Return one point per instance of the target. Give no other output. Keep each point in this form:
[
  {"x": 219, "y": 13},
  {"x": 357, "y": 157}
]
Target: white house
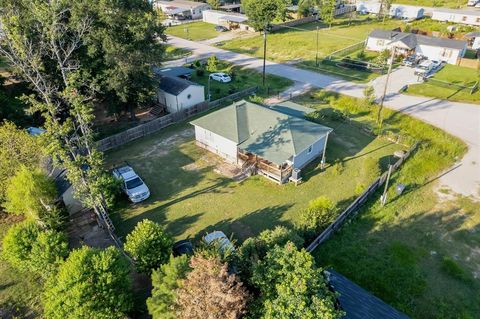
[
  {"x": 182, "y": 9},
  {"x": 470, "y": 17},
  {"x": 474, "y": 39},
  {"x": 177, "y": 94},
  {"x": 406, "y": 12},
  {"x": 441, "y": 49},
  {"x": 272, "y": 141},
  {"x": 365, "y": 7},
  {"x": 230, "y": 20}
]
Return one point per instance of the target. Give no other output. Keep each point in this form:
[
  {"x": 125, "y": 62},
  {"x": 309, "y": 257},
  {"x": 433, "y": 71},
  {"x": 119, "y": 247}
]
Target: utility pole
[
  {"x": 383, "y": 199},
  {"x": 264, "y": 52},
  {"x": 316, "y": 55},
  {"x": 382, "y": 100}
]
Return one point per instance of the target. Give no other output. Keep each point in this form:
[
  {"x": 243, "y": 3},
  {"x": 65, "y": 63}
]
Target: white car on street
[
  {"x": 221, "y": 239},
  {"x": 221, "y": 77},
  {"x": 132, "y": 184}
]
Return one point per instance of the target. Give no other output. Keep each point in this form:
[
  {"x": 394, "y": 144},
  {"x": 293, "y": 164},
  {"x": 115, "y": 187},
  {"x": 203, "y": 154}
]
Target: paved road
[{"x": 459, "y": 119}]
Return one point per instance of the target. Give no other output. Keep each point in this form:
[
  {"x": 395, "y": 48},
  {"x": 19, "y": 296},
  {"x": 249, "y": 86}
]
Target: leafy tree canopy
[
  {"x": 91, "y": 283},
  {"x": 209, "y": 291},
  {"x": 28, "y": 248},
  {"x": 165, "y": 281},
  {"x": 319, "y": 213},
  {"x": 17, "y": 148},
  {"x": 30, "y": 192},
  {"x": 292, "y": 287},
  {"x": 148, "y": 245},
  {"x": 261, "y": 13}
]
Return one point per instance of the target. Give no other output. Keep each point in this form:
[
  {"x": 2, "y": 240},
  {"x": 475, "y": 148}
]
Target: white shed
[
  {"x": 470, "y": 17},
  {"x": 177, "y": 94},
  {"x": 406, "y": 12},
  {"x": 365, "y": 7}
]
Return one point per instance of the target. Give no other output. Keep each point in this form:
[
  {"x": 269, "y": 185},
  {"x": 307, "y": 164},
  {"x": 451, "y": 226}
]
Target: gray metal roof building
[{"x": 174, "y": 85}]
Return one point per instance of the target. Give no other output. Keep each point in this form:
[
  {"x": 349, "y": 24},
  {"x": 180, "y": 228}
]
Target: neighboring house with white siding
[
  {"x": 470, "y": 17},
  {"x": 474, "y": 40},
  {"x": 176, "y": 94},
  {"x": 182, "y": 9},
  {"x": 441, "y": 49},
  {"x": 405, "y": 12},
  {"x": 230, "y": 20},
  {"x": 268, "y": 139}
]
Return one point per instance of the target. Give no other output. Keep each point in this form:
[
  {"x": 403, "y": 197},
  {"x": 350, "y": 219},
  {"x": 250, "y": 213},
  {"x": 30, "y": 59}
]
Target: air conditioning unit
[{"x": 296, "y": 174}]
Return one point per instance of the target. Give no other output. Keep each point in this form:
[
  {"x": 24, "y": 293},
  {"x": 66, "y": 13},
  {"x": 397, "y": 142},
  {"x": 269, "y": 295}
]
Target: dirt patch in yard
[{"x": 164, "y": 145}]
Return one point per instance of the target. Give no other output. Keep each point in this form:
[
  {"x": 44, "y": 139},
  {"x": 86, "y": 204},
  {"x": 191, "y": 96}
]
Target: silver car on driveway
[{"x": 136, "y": 190}]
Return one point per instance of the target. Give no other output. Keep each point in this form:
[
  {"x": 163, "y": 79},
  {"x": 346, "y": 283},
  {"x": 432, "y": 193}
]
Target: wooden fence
[
  {"x": 353, "y": 208},
  {"x": 293, "y": 23},
  {"x": 469, "y": 63},
  {"x": 156, "y": 125}
]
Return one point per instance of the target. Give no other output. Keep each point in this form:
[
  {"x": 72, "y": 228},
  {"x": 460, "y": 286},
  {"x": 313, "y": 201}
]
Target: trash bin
[{"x": 400, "y": 188}]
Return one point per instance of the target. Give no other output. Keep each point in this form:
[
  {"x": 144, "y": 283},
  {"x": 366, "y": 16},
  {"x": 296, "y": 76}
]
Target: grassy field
[
  {"x": 189, "y": 196},
  {"x": 299, "y": 44},
  {"x": 451, "y": 74},
  {"x": 242, "y": 79},
  {"x": 419, "y": 252},
  {"x": 195, "y": 31},
  {"x": 428, "y": 24},
  {"x": 173, "y": 53},
  {"x": 19, "y": 292}
]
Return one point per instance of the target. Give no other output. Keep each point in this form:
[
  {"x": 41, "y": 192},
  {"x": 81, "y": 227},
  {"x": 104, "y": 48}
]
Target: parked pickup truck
[
  {"x": 424, "y": 68},
  {"x": 132, "y": 184}
]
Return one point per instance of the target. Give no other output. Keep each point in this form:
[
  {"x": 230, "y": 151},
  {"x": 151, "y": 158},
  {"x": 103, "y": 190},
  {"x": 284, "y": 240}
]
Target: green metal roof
[
  {"x": 270, "y": 134},
  {"x": 293, "y": 109}
]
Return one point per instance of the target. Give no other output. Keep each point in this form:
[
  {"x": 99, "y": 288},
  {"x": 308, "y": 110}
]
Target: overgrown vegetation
[{"x": 397, "y": 252}]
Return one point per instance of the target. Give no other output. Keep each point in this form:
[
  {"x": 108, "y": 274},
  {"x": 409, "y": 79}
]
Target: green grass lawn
[
  {"x": 452, "y": 74},
  {"x": 195, "y": 31},
  {"x": 420, "y": 252},
  {"x": 190, "y": 198},
  {"x": 300, "y": 44},
  {"x": 173, "y": 53},
  {"x": 242, "y": 79},
  {"x": 428, "y": 24},
  {"x": 19, "y": 292}
]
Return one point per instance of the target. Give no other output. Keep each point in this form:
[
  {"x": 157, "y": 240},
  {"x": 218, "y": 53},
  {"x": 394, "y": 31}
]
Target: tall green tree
[
  {"x": 91, "y": 283},
  {"x": 291, "y": 286},
  {"x": 215, "y": 4},
  {"x": 17, "y": 148},
  {"x": 166, "y": 280},
  {"x": 30, "y": 192},
  {"x": 45, "y": 43},
  {"x": 327, "y": 11},
  {"x": 148, "y": 245},
  {"x": 29, "y": 248},
  {"x": 261, "y": 13}
]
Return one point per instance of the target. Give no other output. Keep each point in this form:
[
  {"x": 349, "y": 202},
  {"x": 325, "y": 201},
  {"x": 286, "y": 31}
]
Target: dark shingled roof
[
  {"x": 358, "y": 303},
  {"x": 173, "y": 71},
  {"x": 411, "y": 40},
  {"x": 174, "y": 85}
]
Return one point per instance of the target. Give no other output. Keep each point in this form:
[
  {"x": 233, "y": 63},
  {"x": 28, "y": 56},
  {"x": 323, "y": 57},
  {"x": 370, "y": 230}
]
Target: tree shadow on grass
[{"x": 250, "y": 224}]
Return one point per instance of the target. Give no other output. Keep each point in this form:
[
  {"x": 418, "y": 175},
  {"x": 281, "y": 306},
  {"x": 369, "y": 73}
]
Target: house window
[
  {"x": 464, "y": 18},
  {"x": 380, "y": 43},
  {"x": 189, "y": 96},
  {"x": 478, "y": 20},
  {"x": 309, "y": 149}
]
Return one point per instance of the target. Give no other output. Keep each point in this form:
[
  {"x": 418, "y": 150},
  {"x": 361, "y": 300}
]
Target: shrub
[
  {"x": 212, "y": 63},
  {"x": 91, "y": 283},
  {"x": 18, "y": 243},
  {"x": 28, "y": 248},
  {"x": 319, "y": 212},
  {"x": 148, "y": 245},
  {"x": 200, "y": 71},
  {"x": 30, "y": 192},
  {"x": 453, "y": 269}
]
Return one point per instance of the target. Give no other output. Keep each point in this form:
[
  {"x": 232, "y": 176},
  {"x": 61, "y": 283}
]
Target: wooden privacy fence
[
  {"x": 353, "y": 208},
  {"x": 156, "y": 125}
]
